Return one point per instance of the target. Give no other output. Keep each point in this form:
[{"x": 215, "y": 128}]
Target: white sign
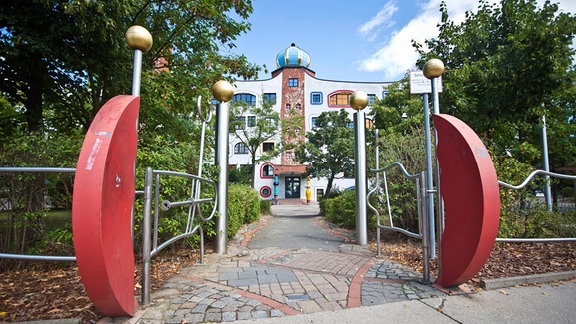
[{"x": 419, "y": 84}]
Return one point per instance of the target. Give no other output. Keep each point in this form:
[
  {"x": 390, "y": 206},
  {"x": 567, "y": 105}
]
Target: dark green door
[{"x": 292, "y": 187}]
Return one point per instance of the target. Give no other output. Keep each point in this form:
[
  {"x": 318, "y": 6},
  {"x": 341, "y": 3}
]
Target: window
[
  {"x": 293, "y": 82},
  {"x": 288, "y": 106},
  {"x": 270, "y": 98},
  {"x": 267, "y": 146},
  {"x": 251, "y": 121},
  {"x": 339, "y": 99},
  {"x": 271, "y": 121},
  {"x": 314, "y": 119},
  {"x": 246, "y": 98},
  {"x": 298, "y": 106},
  {"x": 384, "y": 94},
  {"x": 319, "y": 193},
  {"x": 371, "y": 98},
  {"x": 240, "y": 122},
  {"x": 265, "y": 192},
  {"x": 316, "y": 98},
  {"x": 267, "y": 171},
  {"x": 240, "y": 148}
]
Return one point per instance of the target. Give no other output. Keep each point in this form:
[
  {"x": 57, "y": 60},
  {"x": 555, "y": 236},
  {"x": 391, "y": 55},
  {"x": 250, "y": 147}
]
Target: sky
[{"x": 361, "y": 40}]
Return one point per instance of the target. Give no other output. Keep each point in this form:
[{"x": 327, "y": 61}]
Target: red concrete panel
[
  {"x": 471, "y": 195},
  {"x": 102, "y": 207}
]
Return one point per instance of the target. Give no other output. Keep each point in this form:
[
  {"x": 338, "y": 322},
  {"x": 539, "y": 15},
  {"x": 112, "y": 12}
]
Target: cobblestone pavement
[{"x": 273, "y": 282}]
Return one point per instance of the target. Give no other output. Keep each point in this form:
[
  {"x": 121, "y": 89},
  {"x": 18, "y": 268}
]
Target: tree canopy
[
  {"x": 330, "y": 147},
  {"x": 62, "y": 60},
  {"x": 252, "y": 126},
  {"x": 509, "y": 64}
]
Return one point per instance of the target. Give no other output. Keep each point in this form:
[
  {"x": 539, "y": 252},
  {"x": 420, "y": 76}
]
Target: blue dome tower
[{"x": 293, "y": 56}]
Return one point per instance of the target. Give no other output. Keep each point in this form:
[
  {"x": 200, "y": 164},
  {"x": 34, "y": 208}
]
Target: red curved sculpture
[
  {"x": 102, "y": 207},
  {"x": 471, "y": 195}
]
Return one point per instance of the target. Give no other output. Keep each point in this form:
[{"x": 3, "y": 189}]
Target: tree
[
  {"x": 254, "y": 125},
  {"x": 508, "y": 65},
  {"x": 62, "y": 60},
  {"x": 330, "y": 147}
]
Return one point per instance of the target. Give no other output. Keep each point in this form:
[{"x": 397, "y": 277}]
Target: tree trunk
[
  {"x": 329, "y": 185},
  {"x": 34, "y": 108}
]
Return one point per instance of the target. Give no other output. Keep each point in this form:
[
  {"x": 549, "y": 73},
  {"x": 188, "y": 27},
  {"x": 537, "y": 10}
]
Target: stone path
[{"x": 276, "y": 281}]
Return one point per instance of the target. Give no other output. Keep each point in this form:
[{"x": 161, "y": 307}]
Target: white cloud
[
  {"x": 397, "y": 55},
  {"x": 383, "y": 16}
]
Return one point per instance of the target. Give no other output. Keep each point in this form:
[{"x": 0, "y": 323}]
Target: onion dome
[{"x": 293, "y": 56}]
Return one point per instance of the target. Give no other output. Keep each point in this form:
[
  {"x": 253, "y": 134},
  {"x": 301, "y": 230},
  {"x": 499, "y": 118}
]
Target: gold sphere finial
[
  {"x": 222, "y": 91},
  {"x": 433, "y": 68},
  {"x": 358, "y": 100},
  {"x": 139, "y": 38}
]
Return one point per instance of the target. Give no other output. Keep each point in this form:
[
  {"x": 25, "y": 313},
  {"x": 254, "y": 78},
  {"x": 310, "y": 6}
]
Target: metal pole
[
  {"x": 137, "y": 72},
  {"x": 435, "y": 98},
  {"x": 222, "y": 91},
  {"x": 546, "y": 165},
  {"x": 377, "y": 151},
  {"x": 146, "y": 232},
  {"x": 222, "y": 123},
  {"x": 360, "y": 158},
  {"x": 433, "y": 69},
  {"x": 429, "y": 196},
  {"x": 426, "y": 249}
]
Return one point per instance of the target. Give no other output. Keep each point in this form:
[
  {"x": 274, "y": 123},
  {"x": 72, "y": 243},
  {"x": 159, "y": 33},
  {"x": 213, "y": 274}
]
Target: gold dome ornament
[
  {"x": 433, "y": 68},
  {"x": 358, "y": 100},
  {"x": 222, "y": 91},
  {"x": 139, "y": 38}
]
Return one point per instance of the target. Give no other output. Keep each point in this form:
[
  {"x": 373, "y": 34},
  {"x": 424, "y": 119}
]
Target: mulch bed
[{"x": 41, "y": 291}]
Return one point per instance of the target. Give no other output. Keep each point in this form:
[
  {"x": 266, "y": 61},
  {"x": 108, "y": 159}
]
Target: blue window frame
[
  {"x": 246, "y": 98},
  {"x": 270, "y": 98},
  {"x": 384, "y": 94},
  {"x": 240, "y": 148},
  {"x": 316, "y": 98},
  {"x": 371, "y": 98},
  {"x": 251, "y": 121},
  {"x": 293, "y": 82}
]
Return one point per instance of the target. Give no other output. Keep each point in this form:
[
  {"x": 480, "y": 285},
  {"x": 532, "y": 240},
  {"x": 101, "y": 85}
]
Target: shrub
[
  {"x": 265, "y": 206},
  {"x": 243, "y": 207},
  {"x": 341, "y": 210}
]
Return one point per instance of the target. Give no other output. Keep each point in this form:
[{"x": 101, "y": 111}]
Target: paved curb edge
[{"x": 490, "y": 284}]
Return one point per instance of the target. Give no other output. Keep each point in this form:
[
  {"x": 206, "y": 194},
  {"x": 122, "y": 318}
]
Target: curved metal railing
[
  {"x": 521, "y": 186},
  {"x": 421, "y": 195},
  {"x": 35, "y": 256}
]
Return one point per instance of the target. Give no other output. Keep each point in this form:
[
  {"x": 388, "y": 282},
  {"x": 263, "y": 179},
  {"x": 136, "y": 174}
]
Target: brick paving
[{"x": 274, "y": 282}]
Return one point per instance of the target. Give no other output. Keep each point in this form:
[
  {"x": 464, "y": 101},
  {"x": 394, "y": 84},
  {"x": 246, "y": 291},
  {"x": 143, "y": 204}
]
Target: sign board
[{"x": 419, "y": 84}]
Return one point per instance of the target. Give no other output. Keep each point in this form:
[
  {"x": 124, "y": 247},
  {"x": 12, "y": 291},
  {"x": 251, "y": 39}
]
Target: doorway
[{"x": 292, "y": 187}]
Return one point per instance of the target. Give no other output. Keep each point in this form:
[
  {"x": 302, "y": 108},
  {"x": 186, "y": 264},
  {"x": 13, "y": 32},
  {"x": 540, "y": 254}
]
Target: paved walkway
[{"x": 278, "y": 274}]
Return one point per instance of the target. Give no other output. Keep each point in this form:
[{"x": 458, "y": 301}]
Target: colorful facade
[{"x": 294, "y": 85}]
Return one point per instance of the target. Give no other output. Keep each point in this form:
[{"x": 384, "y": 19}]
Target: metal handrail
[
  {"x": 421, "y": 194},
  {"x": 37, "y": 257},
  {"x": 522, "y": 185}
]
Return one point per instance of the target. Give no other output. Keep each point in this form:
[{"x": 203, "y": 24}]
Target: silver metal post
[
  {"x": 360, "y": 158},
  {"x": 222, "y": 124},
  {"x": 435, "y": 97},
  {"x": 137, "y": 72},
  {"x": 377, "y": 151},
  {"x": 146, "y": 232},
  {"x": 429, "y": 195},
  {"x": 546, "y": 165},
  {"x": 426, "y": 250}
]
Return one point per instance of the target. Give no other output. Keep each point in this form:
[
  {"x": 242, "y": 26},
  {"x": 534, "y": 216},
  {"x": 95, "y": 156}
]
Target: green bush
[
  {"x": 265, "y": 207},
  {"x": 243, "y": 207},
  {"x": 341, "y": 210}
]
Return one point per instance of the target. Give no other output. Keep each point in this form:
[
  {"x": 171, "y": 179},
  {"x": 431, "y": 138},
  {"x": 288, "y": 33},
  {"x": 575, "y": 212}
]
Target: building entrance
[{"x": 292, "y": 187}]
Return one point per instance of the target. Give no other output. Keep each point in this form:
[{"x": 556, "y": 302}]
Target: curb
[{"x": 489, "y": 284}]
